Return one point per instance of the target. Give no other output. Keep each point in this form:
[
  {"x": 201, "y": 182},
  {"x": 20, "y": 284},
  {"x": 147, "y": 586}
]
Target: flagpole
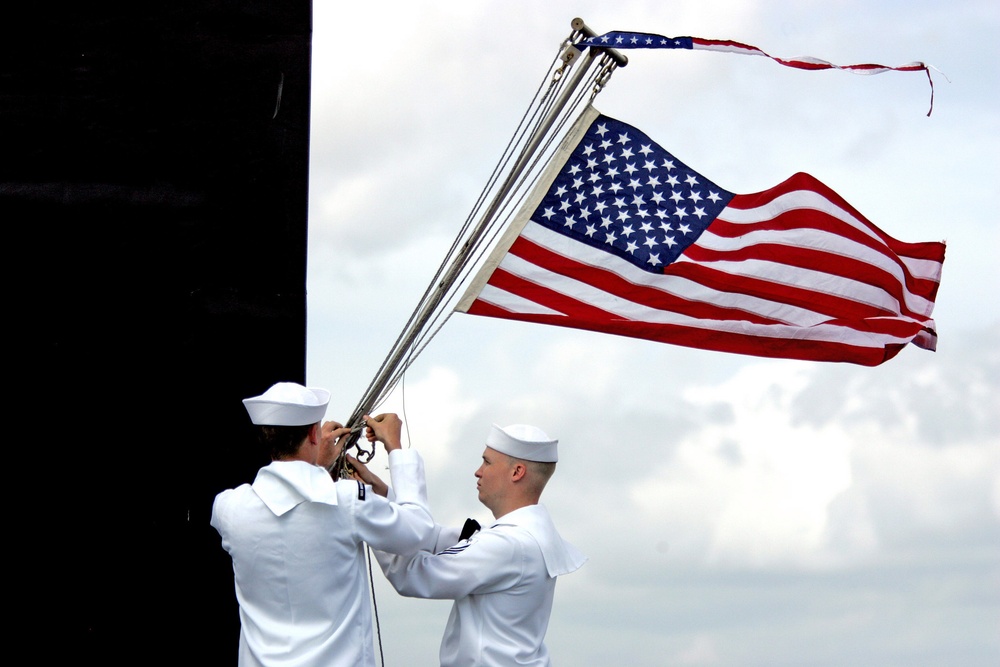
[
  {"x": 571, "y": 54},
  {"x": 580, "y": 61}
]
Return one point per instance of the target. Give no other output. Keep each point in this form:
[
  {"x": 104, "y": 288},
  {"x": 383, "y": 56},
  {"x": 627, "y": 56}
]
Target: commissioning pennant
[
  {"x": 619, "y": 39},
  {"x": 621, "y": 237}
]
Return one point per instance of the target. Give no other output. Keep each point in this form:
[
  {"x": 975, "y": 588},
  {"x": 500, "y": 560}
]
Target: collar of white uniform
[
  {"x": 560, "y": 556},
  {"x": 286, "y": 484}
]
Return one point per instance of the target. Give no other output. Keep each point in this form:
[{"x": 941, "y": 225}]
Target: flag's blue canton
[
  {"x": 638, "y": 40},
  {"x": 621, "y": 192}
]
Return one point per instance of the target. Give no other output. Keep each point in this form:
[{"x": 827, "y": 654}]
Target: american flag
[{"x": 622, "y": 237}]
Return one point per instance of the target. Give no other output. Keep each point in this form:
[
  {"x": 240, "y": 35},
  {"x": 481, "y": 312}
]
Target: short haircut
[
  {"x": 541, "y": 472},
  {"x": 283, "y": 441}
]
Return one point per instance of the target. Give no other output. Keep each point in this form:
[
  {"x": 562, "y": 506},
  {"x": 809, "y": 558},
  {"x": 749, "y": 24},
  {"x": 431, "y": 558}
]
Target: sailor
[
  {"x": 297, "y": 537},
  {"x": 502, "y": 578}
]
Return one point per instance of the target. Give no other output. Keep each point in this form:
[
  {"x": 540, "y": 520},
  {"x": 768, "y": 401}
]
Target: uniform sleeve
[
  {"x": 444, "y": 537},
  {"x": 219, "y": 519},
  {"x": 399, "y": 526},
  {"x": 490, "y": 561}
]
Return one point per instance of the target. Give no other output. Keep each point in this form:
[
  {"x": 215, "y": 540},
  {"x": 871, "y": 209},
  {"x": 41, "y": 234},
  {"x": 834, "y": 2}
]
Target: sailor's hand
[
  {"x": 361, "y": 473},
  {"x": 332, "y": 431},
  {"x": 386, "y": 428}
]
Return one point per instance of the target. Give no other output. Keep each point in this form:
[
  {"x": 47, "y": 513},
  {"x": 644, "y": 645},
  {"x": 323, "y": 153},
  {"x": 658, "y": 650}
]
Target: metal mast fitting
[{"x": 580, "y": 26}]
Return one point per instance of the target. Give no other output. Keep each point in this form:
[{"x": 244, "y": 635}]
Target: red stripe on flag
[
  {"x": 830, "y": 305},
  {"x": 708, "y": 339},
  {"x": 814, "y": 260},
  {"x": 611, "y": 282}
]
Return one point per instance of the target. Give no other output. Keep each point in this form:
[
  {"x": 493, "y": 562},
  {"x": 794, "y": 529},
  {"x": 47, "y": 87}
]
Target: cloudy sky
[{"x": 736, "y": 511}]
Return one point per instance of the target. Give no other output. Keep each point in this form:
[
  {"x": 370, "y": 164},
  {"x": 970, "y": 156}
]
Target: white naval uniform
[
  {"x": 297, "y": 543},
  {"x": 502, "y": 580}
]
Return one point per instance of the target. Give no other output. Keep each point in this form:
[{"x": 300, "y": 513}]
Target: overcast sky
[{"x": 736, "y": 511}]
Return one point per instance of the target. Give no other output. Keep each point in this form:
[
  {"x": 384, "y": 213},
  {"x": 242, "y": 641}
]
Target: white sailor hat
[
  {"x": 288, "y": 404},
  {"x": 523, "y": 442}
]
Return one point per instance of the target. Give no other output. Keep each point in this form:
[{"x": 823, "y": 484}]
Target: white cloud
[
  {"x": 434, "y": 408},
  {"x": 760, "y": 485},
  {"x": 701, "y": 651}
]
